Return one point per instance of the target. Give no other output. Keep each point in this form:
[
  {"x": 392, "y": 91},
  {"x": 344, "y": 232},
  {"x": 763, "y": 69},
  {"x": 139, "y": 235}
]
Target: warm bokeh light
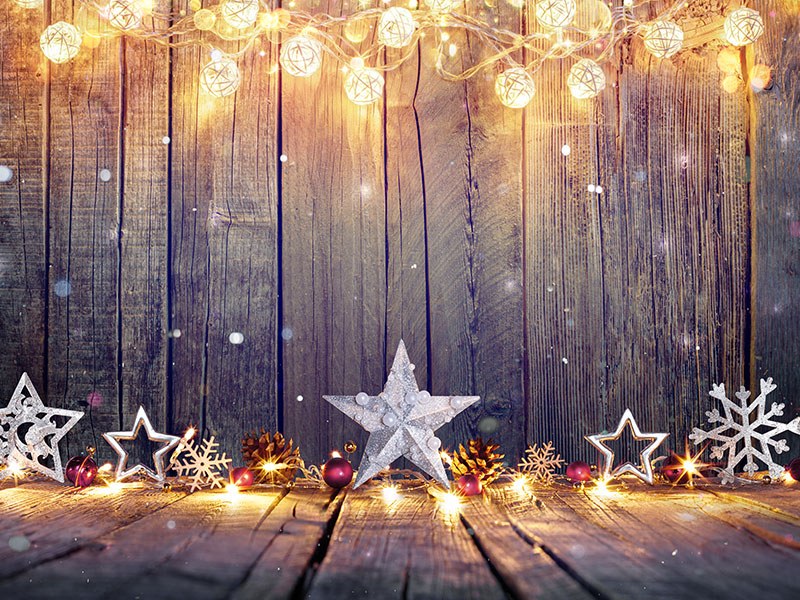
[
  {"x": 301, "y": 56},
  {"x": 743, "y": 26},
  {"x": 555, "y": 14},
  {"x": 514, "y": 87},
  {"x": 363, "y": 86},
  {"x": 220, "y": 77},
  {"x": 60, "y": 42},
  {"x": 390, "y": 494},
  {"x": 240, "y": 14},
  {"x": 663, "y": 38}
]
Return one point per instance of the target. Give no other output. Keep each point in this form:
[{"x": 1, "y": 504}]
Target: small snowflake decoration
[
  {"x": 540, "y": 463},
  {"x": 203, "y": 463},
  {"x": 746, "y": 431}
]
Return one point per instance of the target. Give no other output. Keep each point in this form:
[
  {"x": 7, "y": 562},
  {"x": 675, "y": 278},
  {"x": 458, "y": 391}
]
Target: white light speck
[
  {"x": 236, "y": 338},
  {"x": 590, "y": 187},
  {"x": 216, "y": 55},
  {"x": 565, "y": 149},
  {"x": 105, "y": 175},
  {"x": 598, "y": 189},
  {"x": 287, "y": 333},
  {"x": 5, "y": 174},
  {"x": 564, "y": 360},
  {"x": 299, "y": 398},
  {"x": 165, "y": 140},
  {"x": 284, "y": 158},
  {"x": 170, "y": 524}
]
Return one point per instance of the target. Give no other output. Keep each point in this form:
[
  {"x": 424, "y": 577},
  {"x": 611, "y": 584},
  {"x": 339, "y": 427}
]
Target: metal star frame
[
  {"x": 169, "y": 441},
  {"x": 401, "y": 421},
  {"x": 39, "y": 440},
  {"x": 645, "y": 473}
]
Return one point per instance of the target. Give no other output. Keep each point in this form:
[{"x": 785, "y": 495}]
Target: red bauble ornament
[
  {"x": 242, "y": 477},
  {"x": 579, "y": 471},
  {"x": 794, "y": 469},
  {"x": 81, "y": 471},
  {"x": 672, "y": 471},
  {"x": 337, "y": 472},
  {"x": 469, "y": 484}
]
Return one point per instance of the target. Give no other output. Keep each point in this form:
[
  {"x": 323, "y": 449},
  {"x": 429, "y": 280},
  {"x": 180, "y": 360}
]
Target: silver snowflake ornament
[
  {"x": 203, "y": 463},
  {"x": 30, "y": 432},
  {"x": 401, "y": 421},
  {"x": 746, "y": 431},
  {"x": 540, "y": 463}
]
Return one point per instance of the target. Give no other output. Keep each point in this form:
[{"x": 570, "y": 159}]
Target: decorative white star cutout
[
  {"x": 401, "y": 421},
  {"x": 29, "y": 435},
  {"x": 169, "y": 441},
  {"x": 644, "y": 470}
]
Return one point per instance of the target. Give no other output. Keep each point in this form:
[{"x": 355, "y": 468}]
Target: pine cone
[
  {"x": 479, "y": 458},
  {"x": 270, "y": 457}
]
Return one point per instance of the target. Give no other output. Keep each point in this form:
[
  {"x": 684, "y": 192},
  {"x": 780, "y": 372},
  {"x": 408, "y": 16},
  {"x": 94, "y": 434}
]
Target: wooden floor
[{"x": 58, "y": 542}]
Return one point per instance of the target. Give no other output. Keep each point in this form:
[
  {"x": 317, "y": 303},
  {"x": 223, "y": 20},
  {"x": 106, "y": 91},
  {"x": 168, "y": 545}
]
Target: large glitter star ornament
[
  {"x": 401, "y": 421},
  {"x": 169, "y": 442},
  {"x": 30, "y": 432},
  {"x": 644, "y": 470}
]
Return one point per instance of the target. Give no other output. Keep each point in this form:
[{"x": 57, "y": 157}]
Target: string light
[
  {"x": 125, "y": 14},
  {"x": 555, "y": 14},
  {"x": 396, "y": 27},
  {"x": 443, "y": 5},
  {"x": 390, "y": 494},
  {"x": 220, "y": 77},
  {"x": 301, "y": 56},
  {"x": 743, "y": 26},
  {"x": 240, "y": 14},
  {"x": 586, "y": 79},
  {"x": 28, "y": 3},
  {"x": 60, "y": 42},
  {"x": 663, "y": 39},
  {"x": 514, "y": 87},
  {"x": 204, "y": 19},
  {"x": 363, "y": 85}
]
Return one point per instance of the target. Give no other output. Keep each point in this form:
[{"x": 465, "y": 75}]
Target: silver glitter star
[
  {"x": 401, "y": 421},
  {"x": 29, "y": 435},
  {"x": 169, "y": 441}
]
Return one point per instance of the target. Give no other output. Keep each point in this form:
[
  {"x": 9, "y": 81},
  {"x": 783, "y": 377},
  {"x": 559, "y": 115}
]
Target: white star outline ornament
[
  {"x": 401, "y": 422},
  {"x": 25, "y": 449},
  {"x": 645, "y": 469},
  {"x": 169, "y": 441}
]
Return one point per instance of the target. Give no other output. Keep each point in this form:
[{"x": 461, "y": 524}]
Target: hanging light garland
[{"x": 559, "y": 32}]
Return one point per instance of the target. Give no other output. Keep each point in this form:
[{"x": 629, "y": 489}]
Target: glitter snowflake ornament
[
  {"x": 203, "y": 463},
  {"x": 746, "y": 432},
  {"x": 401, "y": 421},
  {"x": 30, "y": 432},
  {"x": 540, "y": 463}
]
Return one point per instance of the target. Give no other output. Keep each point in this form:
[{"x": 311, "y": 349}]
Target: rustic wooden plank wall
[{"x": 322, "y": 233}]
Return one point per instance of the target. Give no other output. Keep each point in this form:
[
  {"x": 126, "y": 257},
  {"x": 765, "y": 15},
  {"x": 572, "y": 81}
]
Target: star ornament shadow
[
  {"x": 644, "y": 470},
  {"x": 168, "y": 443}
]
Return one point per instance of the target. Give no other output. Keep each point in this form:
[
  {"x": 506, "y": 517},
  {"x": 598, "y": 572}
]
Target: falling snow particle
[
  {"x": 565, "y": 149},
  {"x": 590, "y": 187},
  {"x": 287, "y": 333},
  {"x": 105, "y": 175},
  {"x": 236, "y": 338},
  {"x": 564, "y": 360},
  {"x": 170, "y": 524},
  {"x": 175, "y": 333},
  {"x": 299, "y": 398},
  {"x": 284, "y": 158},
  {"x": 165, "y": 140},
  {"x": 62, "y": 288},
  {"x": 598, "y": 189},
  {"x": 5, "y": 174},
  {"x": 19, "y": 543}
]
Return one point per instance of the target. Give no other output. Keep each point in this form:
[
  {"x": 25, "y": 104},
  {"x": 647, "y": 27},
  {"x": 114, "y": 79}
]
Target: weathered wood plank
[
  {"x": 22, "y": 207},
  {"x": 225, "y": 256},
  {"x": 775, "y": 164},
  {"x": 663, "y": 541},
  {"x": 85, "y": 182},
  {"x": 57, "y": 521},
  {"x": 144, "y": 230},
  {"x": 334, "y": 253},
  {"x": 408, "y": 549},
  {"x": 471, "y": 154},
  {"x": 780, "y": 499}
]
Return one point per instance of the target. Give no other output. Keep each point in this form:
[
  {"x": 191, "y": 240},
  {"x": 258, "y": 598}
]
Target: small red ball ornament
[
  {"x": 469, "y": 484},
  {"x": 81, "y": 471},
  {"x": 242, "y": 477},
  {"x": 337, "y": 472},
  {"x": 794, "y": 469},
  {"x": 579, "y": 471},
  {"x": 673, "y": 471}
]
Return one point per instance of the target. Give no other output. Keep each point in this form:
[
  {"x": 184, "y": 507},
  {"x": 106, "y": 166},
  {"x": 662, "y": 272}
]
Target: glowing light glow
[
  {"x": 220, "y": 77},
  {"x": 390, "y": 494},
  {"x": 396, "y": 27},
  {"x": 601, "y": 489},
  {"x": 125, "y": 14},
  {"x": 301, "y": 56},
  {"x": 443, "y": 5},
  {"x": 450, "y": 503},
  {"x": 586, "y": 79},
  {"x": 240, "y": 14},
  {"x": 663, "y": 39},
  {"x": 363, "y": 86},
  {"x": 743, "y": 26},
  {"x": 60, "y": 42},
  {"x": 514, "y": 87},
  {"x": 555, "y": 14}
]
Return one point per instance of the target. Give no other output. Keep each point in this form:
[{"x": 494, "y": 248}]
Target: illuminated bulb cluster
[
  {"x": 240, "y": 14},
  {"x": 743, "y": 26},
  {"x": 28, "y": 3},
  {"x": 443, "y": 5},
  {"x": 60, "y": 42},
  {"x": 514, "y": 87},
  {"x": 363, "y": 85},
  {"x": 125, "y": 14},
  {"x": 555, "y": 14},
  {"x": 396, "y": 27},
  {"x": 220, "y": 77},
  {"x": 586, "y": 79},
  {"x": 301, "y": 56},
  {"x": 663, "y": 38}
]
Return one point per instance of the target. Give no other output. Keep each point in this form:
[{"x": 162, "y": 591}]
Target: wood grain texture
[
  {"x": 224, "y": 250},
  {"x": 775, "y": 164},
  {"x": 334, "y": 253},
  {"x": 471, "y": 154},
  {"x": 22, "y": 203},
  {"x": 83, "y": 349}
]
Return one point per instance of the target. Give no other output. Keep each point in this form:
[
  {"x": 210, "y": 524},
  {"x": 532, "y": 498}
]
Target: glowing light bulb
[
  {"x": 60, "y": 42},
  {"x": 240, "y": 14},
  {"x": 28, "y": 3},
  {"x": 363, "y": 86},
  {"x": 396, "y": 27},
  {"x": 514, "y": 87},
  {"x": 586, "y": 79},
  {"x": 204, "y": 19},
  {"x": 220, "y": 77},
  {"x": 555, "y": 14},
  {"x": 520, "y": 485},
  {"x": 390, "y": 494},
  {"x": 124, "y": 14},
  {"x": 450, "y": 503},
  {"x": 663, "y": 38},
  {"x": 743, "y": 26},
  {"x": 443, "y": 5},
  {"x": 301, "y": 56}
]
